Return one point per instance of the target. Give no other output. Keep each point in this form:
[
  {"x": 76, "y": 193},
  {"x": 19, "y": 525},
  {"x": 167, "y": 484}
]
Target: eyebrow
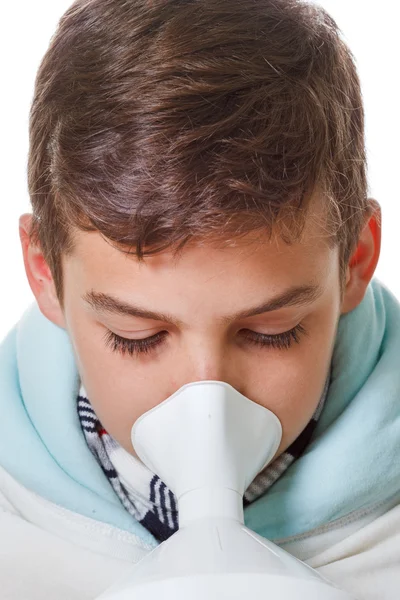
[{"x": 294, "y": 296}]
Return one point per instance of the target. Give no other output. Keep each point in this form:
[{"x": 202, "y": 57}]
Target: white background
[{"x": 372, "y": 30}]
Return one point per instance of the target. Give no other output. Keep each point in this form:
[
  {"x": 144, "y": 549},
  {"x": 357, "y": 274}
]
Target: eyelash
[{"x": 281, "y": 341}]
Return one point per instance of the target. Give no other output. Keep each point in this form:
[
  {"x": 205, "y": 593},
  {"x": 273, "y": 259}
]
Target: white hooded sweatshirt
[{"x": 64, "y": 534}]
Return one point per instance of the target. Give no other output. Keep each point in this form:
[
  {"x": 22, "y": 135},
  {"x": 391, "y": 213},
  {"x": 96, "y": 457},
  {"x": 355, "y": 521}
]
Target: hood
[{"x": 350, "y": 463}]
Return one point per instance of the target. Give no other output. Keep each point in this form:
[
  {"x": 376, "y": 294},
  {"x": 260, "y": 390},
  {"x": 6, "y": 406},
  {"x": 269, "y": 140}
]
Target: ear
[
  {"x": 39, "y": 276},
  {"x": 363, "y": 263}
]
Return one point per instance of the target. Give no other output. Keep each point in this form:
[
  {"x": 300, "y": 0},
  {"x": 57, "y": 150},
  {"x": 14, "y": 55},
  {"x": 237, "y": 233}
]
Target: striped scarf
[{"x": 142, "y": 492}]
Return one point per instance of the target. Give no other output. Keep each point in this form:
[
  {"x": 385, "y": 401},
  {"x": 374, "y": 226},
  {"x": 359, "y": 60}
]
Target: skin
[{"x": 206, "y": 283}]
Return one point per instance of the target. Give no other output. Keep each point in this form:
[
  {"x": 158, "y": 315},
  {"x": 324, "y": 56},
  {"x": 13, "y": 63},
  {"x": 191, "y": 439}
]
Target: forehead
[{"x": 96, "y": 262}]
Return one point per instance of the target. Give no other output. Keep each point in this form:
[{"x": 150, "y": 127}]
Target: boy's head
[{"x": 199, "y": 159}]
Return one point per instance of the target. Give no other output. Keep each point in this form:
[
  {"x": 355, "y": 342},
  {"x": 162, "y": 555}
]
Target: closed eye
[{"x": 280, "y": 341}]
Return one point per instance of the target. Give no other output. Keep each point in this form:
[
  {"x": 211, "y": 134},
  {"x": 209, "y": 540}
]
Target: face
[{"x": 131, "y": 360}]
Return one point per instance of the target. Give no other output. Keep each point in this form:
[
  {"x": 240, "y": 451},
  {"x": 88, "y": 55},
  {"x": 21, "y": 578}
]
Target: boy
[{"x": 198, "y": 182}]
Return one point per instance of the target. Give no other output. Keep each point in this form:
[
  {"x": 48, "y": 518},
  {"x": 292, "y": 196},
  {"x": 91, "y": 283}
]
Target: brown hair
[{"x": 157, "y": 122}]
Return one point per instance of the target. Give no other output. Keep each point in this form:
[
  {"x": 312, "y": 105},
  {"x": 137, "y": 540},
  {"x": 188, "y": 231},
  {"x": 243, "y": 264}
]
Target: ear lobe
[{"x": 364, "y": 260}]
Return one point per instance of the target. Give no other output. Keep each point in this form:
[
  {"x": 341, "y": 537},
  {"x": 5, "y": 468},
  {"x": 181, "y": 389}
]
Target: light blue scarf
[{"x": 351, "y": 463}]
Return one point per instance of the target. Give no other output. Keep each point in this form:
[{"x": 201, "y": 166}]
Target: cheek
[
  {"x": 113, "y": 384},
  {"x": 298, "y": 383}
]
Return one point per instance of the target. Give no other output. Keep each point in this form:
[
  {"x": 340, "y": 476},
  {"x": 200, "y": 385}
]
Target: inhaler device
[{"x": 207, "y": 442}]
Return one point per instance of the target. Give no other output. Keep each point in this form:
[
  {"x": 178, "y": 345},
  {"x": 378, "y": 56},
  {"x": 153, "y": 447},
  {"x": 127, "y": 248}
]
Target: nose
[{"x": 212, "y": 362}]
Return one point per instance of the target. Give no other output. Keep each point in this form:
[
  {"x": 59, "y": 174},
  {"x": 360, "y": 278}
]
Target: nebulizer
[{"x": 207, "y": 442}]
